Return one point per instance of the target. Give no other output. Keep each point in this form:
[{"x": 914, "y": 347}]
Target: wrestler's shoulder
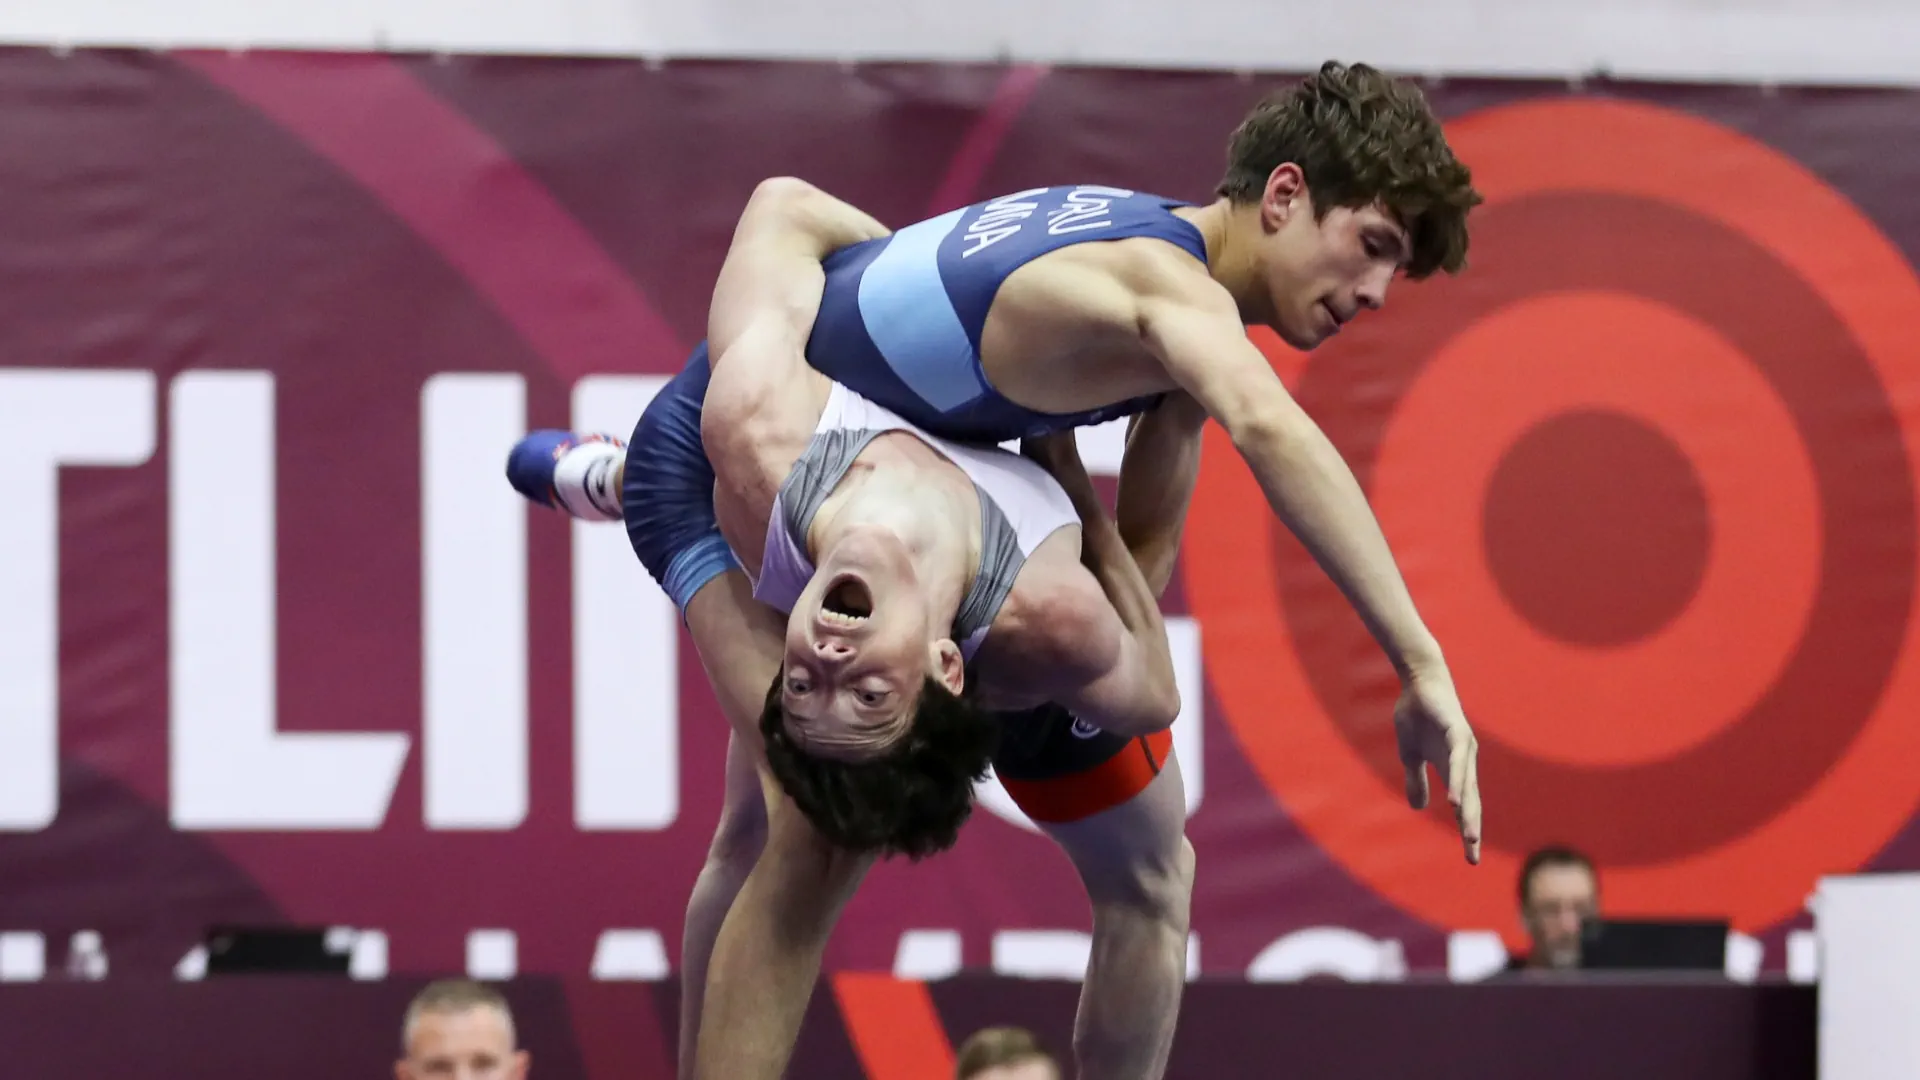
[
  {"x": 1107, "y": 282},
  {"x": 1144, "y": 265}
]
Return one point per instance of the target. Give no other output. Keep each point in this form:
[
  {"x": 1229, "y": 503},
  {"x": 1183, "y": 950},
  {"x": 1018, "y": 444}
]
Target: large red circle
[
  {"x": 1755, "y": 868},
  {"x": 1608, "y": 504},
  {"x": 1632, "y": 356}
]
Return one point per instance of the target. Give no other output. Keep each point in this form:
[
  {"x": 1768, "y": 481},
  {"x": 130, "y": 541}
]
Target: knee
[{"x": 1156, "y": 885}]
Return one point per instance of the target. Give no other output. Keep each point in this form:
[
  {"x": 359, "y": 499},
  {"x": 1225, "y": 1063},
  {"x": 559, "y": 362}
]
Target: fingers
[
  {"x": 1459, "y": 760},
  {"x": 1417, "y": 785},
  {"x": 1470, "y": 812},
  {"x": 1463, "y": 791}
]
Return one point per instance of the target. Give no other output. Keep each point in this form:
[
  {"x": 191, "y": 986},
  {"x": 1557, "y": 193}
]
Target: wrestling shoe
[{"x": 570, "y": 471}]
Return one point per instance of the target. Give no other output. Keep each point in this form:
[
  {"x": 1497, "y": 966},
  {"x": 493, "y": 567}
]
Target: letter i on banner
[
  {"x": 626, "y": 637},
  {"x": 49, "y": 419},
  {"x": 473, "y": 576}
]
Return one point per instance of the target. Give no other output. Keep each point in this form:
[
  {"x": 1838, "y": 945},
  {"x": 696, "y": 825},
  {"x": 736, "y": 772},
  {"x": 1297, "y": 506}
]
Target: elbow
[
  {"x": 1266, "y": 434},
  {"x": 1155, "y": 711},
  {"x": 780, "y": 194},
  {"x": 1259, "y": 414},
  {"x": 1166, "y": 705},
  {"x": 781, "y": 204}
]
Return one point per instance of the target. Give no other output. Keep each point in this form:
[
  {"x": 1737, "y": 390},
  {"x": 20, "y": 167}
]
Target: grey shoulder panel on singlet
[
  {"x": 821, "y": 467},
  {"x": 1000, "y": 563}
]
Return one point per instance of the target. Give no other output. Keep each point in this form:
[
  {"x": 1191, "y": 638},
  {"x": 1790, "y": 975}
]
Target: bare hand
[{"x": 1433, "y": 730}]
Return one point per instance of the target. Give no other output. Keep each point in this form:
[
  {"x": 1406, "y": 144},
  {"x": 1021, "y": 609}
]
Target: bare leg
[
  {"x": 737, "y": 842},
  {"x": 764, "y": 979},
  {"x": 1138, "y": 869},
  {"x": 739, "y": 646},
  {"x": 767, "y": 959},
  {"x": 767, "y": 899}
]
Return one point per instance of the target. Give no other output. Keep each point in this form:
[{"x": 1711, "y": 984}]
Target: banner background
[{"x": 1650, "y": 466}]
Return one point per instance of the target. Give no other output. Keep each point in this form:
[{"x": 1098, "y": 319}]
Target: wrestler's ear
[
  {"x": 949, "y": 667},
  {"x": 1285, "y": 193}
]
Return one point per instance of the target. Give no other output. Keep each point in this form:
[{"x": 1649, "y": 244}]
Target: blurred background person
[
  {"x": 1559, "y": 892},
  {"x": 1004, "y": 1053},
  {"x": 458, "y": 1029}
]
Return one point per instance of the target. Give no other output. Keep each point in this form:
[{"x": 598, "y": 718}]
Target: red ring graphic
[
  {"x": 1652, "y": 364},
  {"x": 1671, "y": 243}
]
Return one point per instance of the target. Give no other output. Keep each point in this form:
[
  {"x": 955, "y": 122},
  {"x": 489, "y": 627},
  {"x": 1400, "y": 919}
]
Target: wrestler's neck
[
  {"x": 1231, "y": 233},
  {"x": 937, "y": 523}
]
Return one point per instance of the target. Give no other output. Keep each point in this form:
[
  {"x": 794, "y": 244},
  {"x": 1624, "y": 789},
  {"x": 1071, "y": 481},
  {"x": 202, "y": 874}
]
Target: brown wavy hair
[
  {"x": 912, "y": 799},
  {"x": 1361, "y": 138}
]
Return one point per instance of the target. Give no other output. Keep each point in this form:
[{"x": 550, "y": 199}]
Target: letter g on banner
[{"x": 1650, "y": 470}]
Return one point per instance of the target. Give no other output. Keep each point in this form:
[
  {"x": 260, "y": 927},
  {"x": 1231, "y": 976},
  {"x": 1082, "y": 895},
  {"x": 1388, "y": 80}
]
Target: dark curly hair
[
  {"x": 1359, "y": 138},
  {"x": 911, "y": 800}
]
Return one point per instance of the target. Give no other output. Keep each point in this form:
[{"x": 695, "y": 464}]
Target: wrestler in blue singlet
[
  {"x": 901, "y": 319},
  {"x": 900, "y": 325}
]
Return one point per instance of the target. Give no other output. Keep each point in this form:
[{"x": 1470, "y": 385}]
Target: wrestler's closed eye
[{"x": 1386, "y": 244}]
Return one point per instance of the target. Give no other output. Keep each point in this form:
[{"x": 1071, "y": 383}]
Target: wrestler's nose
[{"x": 832, "y": 652}]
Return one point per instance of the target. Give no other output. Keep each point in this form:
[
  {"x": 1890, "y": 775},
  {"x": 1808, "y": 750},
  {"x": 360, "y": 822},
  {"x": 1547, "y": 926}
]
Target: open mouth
[{"x": 847, "y": 603}]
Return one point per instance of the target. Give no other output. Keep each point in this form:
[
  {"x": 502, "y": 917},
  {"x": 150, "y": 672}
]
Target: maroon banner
[
  {"x": 305, "y": 1029},
  {"x": 281, "y": 644}
]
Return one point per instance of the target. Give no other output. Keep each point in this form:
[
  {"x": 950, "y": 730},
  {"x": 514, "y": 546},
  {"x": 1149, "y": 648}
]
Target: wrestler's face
[
  {"x": 861, "y": 643},
  {"x": 1322, "y": 272}
]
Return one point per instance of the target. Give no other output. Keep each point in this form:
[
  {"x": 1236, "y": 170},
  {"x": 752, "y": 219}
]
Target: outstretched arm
[{"x": 1194, "y": 328}]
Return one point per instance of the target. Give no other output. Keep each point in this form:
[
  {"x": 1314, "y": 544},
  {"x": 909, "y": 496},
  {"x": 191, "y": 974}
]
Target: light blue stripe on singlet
[{"x": 904, "y": 305}]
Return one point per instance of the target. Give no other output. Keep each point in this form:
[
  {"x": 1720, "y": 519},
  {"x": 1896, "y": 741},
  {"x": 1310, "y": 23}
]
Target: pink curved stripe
[
  {"x": 463, "y": 194},
  {"x": 962, "y": 182}
]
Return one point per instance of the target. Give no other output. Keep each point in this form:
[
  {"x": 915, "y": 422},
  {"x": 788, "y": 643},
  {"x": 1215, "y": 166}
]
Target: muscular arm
[
  {"x": 770, "y": 285},
  {"x": 763, "y": 309},
  {"x": 1195, "y": 330},
  {"x": 1108, "y": 652},
  {"x": 1157, "y": 478}
]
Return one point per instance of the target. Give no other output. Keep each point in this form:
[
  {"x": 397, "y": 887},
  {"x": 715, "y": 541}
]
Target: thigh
[
  {"x": 1060, "y": 769},
  {"x": 667, "y": 501},
  {"x": 667, "y": 495},
  {"x": 1116, "y": 806},
  {"x": 1137, "y": 845}
]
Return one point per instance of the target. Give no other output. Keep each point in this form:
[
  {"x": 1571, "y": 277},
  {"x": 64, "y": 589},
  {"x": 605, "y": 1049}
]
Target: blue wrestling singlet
[{"x": 901, "y": 319}]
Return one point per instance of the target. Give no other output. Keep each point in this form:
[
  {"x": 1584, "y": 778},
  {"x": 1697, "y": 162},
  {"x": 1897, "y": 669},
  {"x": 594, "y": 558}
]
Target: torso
[
  {"x": 1004, "y": 319},
  {"x": 753, "y": 460}
]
